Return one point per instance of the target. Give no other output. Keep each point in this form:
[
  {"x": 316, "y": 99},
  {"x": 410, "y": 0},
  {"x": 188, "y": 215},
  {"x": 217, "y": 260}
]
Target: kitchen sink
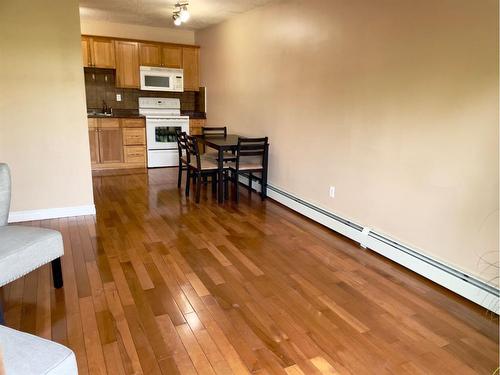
[{"x": 101, "y": 114}]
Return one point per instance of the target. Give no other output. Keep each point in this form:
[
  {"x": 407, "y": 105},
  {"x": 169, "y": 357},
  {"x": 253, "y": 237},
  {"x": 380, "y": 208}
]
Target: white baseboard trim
[
  {"x": 467, "y": 286},
  {"x": 50, "y": 213}
]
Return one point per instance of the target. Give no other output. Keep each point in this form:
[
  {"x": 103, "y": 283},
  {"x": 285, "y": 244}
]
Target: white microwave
[{"x": 161, "y": 79}]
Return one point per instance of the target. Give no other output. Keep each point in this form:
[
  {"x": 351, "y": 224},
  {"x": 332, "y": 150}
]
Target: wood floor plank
[
  {"x": 194, "y": 350},
  {"x": 95, "y": 356},
  {"x": 113, "y": 359},
  {"x": 293, "y": 370},
  {"x": 323, "y": 366},
  {"x": 348, "y": 318},
  {"x": 130, "y": 357},
  {"x": 43, "y": 303}
]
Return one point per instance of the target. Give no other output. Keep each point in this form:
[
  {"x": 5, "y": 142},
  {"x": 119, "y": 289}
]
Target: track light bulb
[{"x": 184, "y": 14}]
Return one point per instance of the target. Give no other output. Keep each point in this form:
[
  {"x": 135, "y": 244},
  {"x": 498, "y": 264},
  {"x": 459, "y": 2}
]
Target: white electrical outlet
[
  {"x": 118, "y": 97},
  {"x": 332, "y": 191}
]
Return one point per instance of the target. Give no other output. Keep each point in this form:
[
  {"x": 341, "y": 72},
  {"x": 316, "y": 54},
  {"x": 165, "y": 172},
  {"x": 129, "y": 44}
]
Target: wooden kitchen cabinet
[
  {"x": 127, "y": 64},
  {"x": 134, "y": 137},
  {"x": 98, "y": 52},
  {"x": 191, "y": 70},
  {"x": 162, "y": 55},
  {"x": 94, "y": 145},
  {"x": 86, "y": 52},
  {"x": 117, "y": 143},
  {"x": 196, "y": 125},
  {"x": 128, "y": 55},
  {"x": 132, "y": 123},
  {"x": 150, "y": 54},
  {"x": 172, "y": 57},
  {"x": 110, "y": 145},
  {"x": 135, "y": 154},
  {"x": 103, "y": 53}
]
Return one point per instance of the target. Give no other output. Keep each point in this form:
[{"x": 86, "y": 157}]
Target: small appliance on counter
[
  {"x": 161, "y": 79},
  {"x": 163, "y": 119}
]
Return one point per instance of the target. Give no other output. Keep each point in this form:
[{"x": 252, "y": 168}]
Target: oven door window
[
  {"x": 156, "y": 81},
  {"x": 166, "y": 134}
]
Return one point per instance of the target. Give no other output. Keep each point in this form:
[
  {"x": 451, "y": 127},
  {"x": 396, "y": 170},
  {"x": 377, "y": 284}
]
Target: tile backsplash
[{"x": 100, "y": 86}]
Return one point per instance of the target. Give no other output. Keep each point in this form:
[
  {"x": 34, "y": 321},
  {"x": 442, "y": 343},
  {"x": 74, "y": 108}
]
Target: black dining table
[{"x": 221, "y": 144}]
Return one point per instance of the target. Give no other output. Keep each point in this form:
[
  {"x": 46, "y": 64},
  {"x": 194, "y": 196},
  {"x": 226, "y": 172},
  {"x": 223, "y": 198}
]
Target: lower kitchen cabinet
[
  {"x": 117, "y": 143},
  {"x": 94, "y": 145},
  {"x": 135, "y": 154},
  {"x": 110, "y": 145},
  {"x": 196, "y": 125}
]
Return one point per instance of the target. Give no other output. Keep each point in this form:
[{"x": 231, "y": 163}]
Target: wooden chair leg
[
  {"x": 57, "y": 273},
  {"x": 179, "y": 178},
  {"x": 198, "y": 188}
]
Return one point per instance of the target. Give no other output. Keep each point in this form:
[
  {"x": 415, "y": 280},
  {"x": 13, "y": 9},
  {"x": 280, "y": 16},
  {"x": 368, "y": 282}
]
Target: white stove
[{"x": 163, "y": 119}]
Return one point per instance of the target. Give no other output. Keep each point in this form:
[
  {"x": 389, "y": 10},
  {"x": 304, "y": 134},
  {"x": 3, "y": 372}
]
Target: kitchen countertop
[
  {"x": 117, "y": 113},
  {"x": 133, "y": 113},
  {"x": 194, "y": 114}
]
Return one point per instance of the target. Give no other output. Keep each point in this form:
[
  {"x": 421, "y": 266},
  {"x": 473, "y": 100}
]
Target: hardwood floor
[{"x": 156, "y": 284}]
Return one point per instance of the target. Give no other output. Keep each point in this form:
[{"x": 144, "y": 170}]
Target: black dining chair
[
  {"x": 251, "y": 158},
  {"x": 199, "y": 168},
  {"x": 214, "y": 131},
  {"x": 183, "y": 157}
]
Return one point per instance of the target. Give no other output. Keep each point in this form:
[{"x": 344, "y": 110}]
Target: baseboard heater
[{"x": 455, "y": 280}]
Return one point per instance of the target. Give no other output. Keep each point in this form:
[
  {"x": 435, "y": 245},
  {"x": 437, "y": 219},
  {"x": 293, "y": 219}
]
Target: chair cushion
[
  {"x": 206, "y": 164},
  {"x": 23, "y": 249},
  {"x": 25, "y": 354},
  {"x": 214, "y": 155},
  {"x": 247, "y": 165}
]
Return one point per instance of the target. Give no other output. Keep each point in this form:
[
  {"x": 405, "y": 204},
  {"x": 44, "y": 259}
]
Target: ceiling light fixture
[
  {"x": 181, "y": 13},
  {"x": 177, "y": 20}
]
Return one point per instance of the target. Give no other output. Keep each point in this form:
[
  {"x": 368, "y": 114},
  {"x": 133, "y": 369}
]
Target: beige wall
[
  {"x": 43, "y": 130},
  {"x": 122, "y": 30},
  {"x": 393, "y": 102}
]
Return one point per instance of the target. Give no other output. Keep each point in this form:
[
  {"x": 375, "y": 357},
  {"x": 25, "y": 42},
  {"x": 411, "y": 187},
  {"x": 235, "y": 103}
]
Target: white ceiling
[{"x": 159, "y": 12}]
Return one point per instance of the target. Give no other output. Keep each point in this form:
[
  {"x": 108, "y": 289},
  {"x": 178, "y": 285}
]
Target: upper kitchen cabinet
[
  {"x": 156, "y": 54},
  {"x": 103, "y": 52},
  {"x": 127, "y": 64},
  {"x": 150, "y": 54},
  {"x": 98, "y": 52},
  {"x": 172, "y": 56},
  {"x": 190, "y": 57},
  {"x": 86, "y": 51}
]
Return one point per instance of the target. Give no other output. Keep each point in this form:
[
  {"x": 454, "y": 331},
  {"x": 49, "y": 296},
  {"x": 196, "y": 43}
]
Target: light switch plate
[{"x": 118, "y": 97}]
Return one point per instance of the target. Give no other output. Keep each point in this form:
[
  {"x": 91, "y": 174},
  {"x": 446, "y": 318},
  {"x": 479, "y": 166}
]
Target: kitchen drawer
[
  {"x": 135, "y": 154},
  {"x": 109, "y": 122},
  {"x": 133, "y": 123},
  {"x": 92, "y": 122},
  {"x": 134, "y": 137}
]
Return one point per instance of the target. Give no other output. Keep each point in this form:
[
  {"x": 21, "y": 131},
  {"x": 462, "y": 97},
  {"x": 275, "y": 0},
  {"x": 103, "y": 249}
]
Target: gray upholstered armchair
[{"x": 23, "y": 248}]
